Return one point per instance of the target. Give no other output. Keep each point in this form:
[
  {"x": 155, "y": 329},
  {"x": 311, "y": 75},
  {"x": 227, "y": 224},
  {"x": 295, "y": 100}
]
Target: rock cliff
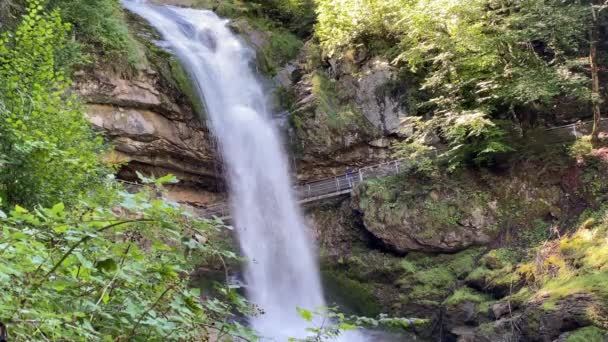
[{"x": 154, "y": 121}]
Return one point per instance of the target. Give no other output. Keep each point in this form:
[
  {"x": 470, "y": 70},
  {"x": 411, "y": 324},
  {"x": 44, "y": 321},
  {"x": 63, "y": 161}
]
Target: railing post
[
  {"x": 360, "y": 176},
  {"x": 337, "y": 184},
  {"x": 308, "y": 190}
]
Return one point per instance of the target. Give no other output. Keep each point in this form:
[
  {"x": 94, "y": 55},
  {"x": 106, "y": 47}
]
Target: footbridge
[{"x": 324, "y": 188}]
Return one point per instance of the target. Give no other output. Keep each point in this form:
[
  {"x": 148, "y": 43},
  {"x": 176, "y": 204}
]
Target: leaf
[
  {"x": 61, "y": 228},
  {"x": 347, "y": 326},
  {"x": 57, "y": 209},
  {"x": 167, "y": 179},
  {"x": 107, "y": 265},
  {"x": 306, "y": 314},
  {"x": 144, "y": 179}
]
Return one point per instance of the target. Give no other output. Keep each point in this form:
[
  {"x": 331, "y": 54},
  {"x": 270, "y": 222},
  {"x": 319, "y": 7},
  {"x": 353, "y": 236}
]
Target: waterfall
[{"x": 281, "y": 272}]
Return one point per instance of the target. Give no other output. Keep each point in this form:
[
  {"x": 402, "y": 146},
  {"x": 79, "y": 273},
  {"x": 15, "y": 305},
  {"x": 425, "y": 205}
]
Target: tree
[
  {"x": 596, "y": 8},
  {"x": 48, "y": 151}
]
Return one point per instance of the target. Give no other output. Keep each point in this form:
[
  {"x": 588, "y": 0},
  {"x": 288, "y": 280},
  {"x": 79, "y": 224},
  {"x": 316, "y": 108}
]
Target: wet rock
[{"x": 463, "y": 313}]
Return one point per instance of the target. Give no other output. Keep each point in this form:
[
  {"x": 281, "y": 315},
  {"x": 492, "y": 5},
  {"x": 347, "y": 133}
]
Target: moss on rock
[
  {"x": 587, "y": 334},
  {"x": 351, "y": 294}
]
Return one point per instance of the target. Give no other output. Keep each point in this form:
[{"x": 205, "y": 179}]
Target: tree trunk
[{"x": 595, "y": 82}]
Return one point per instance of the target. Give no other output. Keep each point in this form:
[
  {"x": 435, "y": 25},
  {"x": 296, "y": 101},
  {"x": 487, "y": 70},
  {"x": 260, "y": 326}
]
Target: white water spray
[{"x": 281, "y": 273}]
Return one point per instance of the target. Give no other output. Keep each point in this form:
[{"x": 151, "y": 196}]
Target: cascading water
[{"x": 281, "y": 273}]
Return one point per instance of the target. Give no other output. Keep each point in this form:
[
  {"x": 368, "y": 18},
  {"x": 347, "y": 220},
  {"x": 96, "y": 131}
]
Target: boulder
[
  {"x": 451, "y": 213},
  {"x": 448, "y": 218}
]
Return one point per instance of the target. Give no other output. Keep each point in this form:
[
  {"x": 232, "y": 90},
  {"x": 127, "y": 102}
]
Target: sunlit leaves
[
  {"x": 517, "y": 48},
  {"x": 50, "y": 152},
  {"x": 110, "y": 273}
]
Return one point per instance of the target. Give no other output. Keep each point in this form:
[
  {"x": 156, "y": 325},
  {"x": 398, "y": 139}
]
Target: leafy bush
[
  {"x": 111, "y": 273},
  {"x": 581, "y": 147},
  {"x": 49, "y": 153},
  {"x": 420, "y": 156},
  {"x": 100, "y": 25},
  {"x": 473, "y": 138},
  {"x": 328, "y": 324},
  {"x": 471, "y": 54}
]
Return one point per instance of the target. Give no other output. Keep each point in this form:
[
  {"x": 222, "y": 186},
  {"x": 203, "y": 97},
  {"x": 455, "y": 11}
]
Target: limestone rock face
[
  {"x": 344, "y": 115},
  {"x": 377, "y": 103},
  {"x": 151, "y": 124},
  {"x": 147, "y": 137},
  {"x": 153, "y": 118}
]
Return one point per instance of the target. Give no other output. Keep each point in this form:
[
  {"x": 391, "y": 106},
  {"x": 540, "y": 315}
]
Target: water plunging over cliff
[{"x": 281, "y": 273}]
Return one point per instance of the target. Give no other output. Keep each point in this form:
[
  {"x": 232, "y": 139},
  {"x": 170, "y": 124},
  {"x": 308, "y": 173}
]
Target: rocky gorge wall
[{"x": 154, "y": 121}]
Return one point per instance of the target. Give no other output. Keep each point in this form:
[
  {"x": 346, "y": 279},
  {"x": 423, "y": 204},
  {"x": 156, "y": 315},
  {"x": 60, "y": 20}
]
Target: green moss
[
  {"x": 408, "y": 266},
  {"x": 587, "y": 334},
  {"x": 443, "y": 212},
  {"x": 463, "y": 262},
  {"x": 185, "y": 84},
  {"x": 282, "y": 47},
  {"x": 431, "y": 278},
  {"x": 466, "y": 294},
  {"x": 337, "y": 116},
  {"x": 439, "y": 277},
  {"x": 499, "y": 258},
  {"x": 352, "y": 294},
  {"x": 593, "y": 284}
]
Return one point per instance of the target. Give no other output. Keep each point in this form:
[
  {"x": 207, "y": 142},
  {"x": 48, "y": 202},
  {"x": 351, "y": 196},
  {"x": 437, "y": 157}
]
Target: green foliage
[
  {"x": 82, "y": 261},
  {"x": 345, "y": 24},
  {"x": 111, "y": 273},
  {"x": 282, "y": 46},
  {"x": 421, "y": 157},
  {"x": 581, "y": 147},
  {"x": 473, "y": 138},
  {"x": 101, "y": 26},
  {"x": 49, "y": 153},
  {"x": 475, "y": 54},
  {"x": 331, "y": 324},
  {"x": 295, "y": 15}
]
